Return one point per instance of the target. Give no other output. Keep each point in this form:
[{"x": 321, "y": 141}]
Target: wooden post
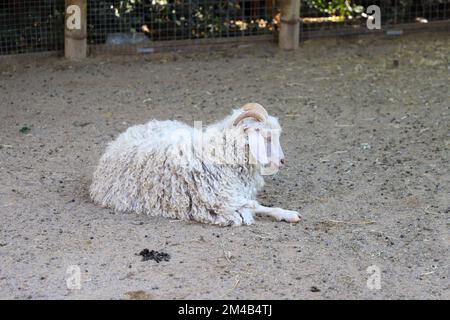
[
  {"x": 75, "y": 43},
  {"x": 289, "y": 24}
]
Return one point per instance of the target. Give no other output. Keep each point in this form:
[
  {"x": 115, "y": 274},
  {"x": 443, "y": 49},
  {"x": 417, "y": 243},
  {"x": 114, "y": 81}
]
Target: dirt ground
[{"x": 366, "y": 136}]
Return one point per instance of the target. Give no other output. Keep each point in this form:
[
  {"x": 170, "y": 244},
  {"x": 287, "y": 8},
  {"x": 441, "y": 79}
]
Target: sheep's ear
[{"x": 257, "y": 146}]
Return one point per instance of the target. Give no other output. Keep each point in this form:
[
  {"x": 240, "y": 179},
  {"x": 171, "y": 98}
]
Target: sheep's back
[{"x": 143, "y": 169}]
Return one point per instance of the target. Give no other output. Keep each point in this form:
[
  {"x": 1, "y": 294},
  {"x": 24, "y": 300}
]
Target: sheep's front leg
[{"x": 277, "y": 213}]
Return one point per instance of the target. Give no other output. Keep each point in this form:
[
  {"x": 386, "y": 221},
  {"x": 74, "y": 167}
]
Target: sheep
[{"x": 209, "y": 175}]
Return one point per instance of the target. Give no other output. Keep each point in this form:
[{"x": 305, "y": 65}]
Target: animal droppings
[{"x": 154, "y": 255}]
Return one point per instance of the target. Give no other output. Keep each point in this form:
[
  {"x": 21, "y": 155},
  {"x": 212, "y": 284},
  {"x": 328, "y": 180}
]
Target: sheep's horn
[
  {"x": 249, "y": 114},
  {"x": 252, "y": 106}
]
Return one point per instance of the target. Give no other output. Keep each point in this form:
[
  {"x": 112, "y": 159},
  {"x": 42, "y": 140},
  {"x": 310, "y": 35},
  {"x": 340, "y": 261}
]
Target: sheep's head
[{"x": 263, "y": 137}]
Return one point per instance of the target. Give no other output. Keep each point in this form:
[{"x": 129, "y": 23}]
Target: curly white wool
[{"x": 159, "y": 169}]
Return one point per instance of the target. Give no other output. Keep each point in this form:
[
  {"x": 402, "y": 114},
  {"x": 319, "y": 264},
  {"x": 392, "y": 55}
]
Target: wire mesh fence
[
  {"x": 38, "y": 25},
  {"x": 140, "y": 23},
  {"x": 31, "y": 26},
  {"x": 342, "y": 17}
]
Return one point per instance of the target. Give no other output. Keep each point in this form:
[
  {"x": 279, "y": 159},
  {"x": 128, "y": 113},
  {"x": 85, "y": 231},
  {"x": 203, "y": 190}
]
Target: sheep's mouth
[{"x": 270, "y": 168}]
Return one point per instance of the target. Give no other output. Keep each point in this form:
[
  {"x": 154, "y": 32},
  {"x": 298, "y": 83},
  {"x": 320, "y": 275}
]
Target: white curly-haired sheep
[{"x": 209, "y": 175}]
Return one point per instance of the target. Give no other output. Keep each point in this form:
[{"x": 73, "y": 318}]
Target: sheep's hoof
[
  {"x": 236, "y": 221},
  {"x": 289, "y": 216},
  {"x": 232, "y": 221},
  {"x": 247, "y": 216},
  {"x": 294, "y": 219}
]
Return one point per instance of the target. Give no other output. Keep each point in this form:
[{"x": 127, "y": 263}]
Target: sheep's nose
[{"x": 282, "y": 161}]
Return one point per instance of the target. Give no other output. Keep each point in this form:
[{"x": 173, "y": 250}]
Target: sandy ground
[{"x": 366, "y": 136}]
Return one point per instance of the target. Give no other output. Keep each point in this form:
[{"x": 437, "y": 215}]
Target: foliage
[
  {"x": 333, "y": 7},
  {"x": 176, "y": 19}
]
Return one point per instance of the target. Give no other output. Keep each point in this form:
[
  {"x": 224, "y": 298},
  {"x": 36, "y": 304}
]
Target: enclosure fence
[
  {"x": 321, "y": 18},
  {"x": 141, "y": 25},
  {"x": 31, "y": 26}
]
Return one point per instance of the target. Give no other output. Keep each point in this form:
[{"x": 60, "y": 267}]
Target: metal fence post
[
  {"x": 289, "y": 24},
  {"x": 75, "y": 35}
]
